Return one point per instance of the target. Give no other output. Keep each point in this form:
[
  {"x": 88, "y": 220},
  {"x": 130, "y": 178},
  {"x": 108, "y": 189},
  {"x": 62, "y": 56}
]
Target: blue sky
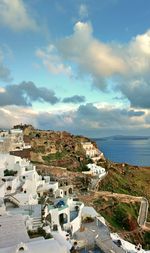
[{"x": 81, "y": 66}]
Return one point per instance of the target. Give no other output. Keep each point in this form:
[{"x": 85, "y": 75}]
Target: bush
[
  {"x": 147, "y": 240},
  {"x": 123, "y": 219},
  {"x": 9, "y": 173},
  {"x": 40, "y": 232},
  {"x": 83, "y": 167},
  {"x": 88, "y": 220}
]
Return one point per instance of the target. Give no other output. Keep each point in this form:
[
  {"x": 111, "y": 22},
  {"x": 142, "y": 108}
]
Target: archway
[
  {"x": 77, "y": 208},
  {"x": 63, "y": 219},
  {"x": 70, "y": 191},
  {"x": 21, "y": 249},
  {"x": 55, "y": 227},
  {"x": 65, "y": 192},
  {"x": 51, "y": 192}
]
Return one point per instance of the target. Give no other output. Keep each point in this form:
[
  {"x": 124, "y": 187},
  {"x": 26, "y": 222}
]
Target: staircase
[
  {"x": 95, "y": 184},
  {"x": 12, "y": 199},
  {"x": 143, "y": 212},
  {"x": 36, "y": 223}
]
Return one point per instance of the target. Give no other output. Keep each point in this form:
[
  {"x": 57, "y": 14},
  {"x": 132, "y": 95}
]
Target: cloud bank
[
  {"x": 126, "y": 65},
  {"x": 25, "y": 93},
  {"x": 87, "y": 119}
]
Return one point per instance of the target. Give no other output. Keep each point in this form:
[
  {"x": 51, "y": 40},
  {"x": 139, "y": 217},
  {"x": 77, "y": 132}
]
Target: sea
[{"x": 126, "y": 149}]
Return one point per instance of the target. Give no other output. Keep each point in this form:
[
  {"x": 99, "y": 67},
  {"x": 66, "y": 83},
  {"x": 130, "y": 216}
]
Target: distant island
[{"x": 123, "y": 137}]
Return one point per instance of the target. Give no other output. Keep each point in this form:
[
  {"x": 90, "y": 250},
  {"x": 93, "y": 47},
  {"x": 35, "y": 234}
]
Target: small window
[
  {"x": 9, "y": 188},
  {"x": 55, "y": 227},
  {"x": 21, "y": 249}
]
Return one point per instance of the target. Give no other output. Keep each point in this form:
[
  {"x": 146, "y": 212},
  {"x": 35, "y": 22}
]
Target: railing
[{"x": 12, "y": 199}]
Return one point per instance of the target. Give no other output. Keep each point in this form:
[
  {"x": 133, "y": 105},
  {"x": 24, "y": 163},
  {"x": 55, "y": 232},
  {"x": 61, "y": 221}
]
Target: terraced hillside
[{"x": 55, "y": 148}]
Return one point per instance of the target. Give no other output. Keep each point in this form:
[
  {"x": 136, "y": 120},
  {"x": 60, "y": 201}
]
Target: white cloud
[
  {"x": 92, "y": 56},
  {"x": 52, "y": 61},
  {"x": 126, "y": 64},
  {"x": 136, "y": 55},
  {"x": 12, "y": 115},
  {"x": 14, "y": 14}
]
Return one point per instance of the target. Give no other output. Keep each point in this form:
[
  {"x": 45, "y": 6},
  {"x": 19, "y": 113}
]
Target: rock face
[{"x": 55, "y": 148}]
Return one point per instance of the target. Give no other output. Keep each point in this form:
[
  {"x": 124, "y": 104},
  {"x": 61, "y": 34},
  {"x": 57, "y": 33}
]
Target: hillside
[
  {"x": 121, "y": 213},
  {"x": 56, "y": 148},
  {"x": 113, "y": 197},
  {"x": 117, "y": 199},
  {"x": 126, "y": 179}
]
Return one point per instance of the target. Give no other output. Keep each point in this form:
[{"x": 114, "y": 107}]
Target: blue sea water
[{"x": 134, "y": 151}]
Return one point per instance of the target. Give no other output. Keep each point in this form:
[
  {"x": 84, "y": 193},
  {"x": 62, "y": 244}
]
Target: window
[
  {"x": 21, "y": 249},
  {"x": 8, "y": 188},
  {"x": 55, "y": 227}
]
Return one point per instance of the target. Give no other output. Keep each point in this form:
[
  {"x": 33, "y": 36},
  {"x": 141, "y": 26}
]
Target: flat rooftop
[
  {"x": 12, "y": 231},
  {"x": 31, "y": 210}
]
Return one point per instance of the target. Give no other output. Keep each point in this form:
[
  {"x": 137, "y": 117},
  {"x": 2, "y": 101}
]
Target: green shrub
[
  {"x": 9, "y": 173},
  {"x": 88, "y": 220},
  {"x": 147, "y": 240}
]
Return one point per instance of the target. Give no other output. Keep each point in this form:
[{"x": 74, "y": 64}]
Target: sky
[{"x": 81, "y": 66}]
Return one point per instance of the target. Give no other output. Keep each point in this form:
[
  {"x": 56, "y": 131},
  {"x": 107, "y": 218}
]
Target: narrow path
[
  {"x": 143, "y": 212},
  {"x": 95, "y": 182}
]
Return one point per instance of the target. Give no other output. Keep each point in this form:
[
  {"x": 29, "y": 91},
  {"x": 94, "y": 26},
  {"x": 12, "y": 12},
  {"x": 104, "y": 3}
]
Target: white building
[
  {"x": 38, "y": 246},
  {"x": 56, "y": 189},
  {"x": 91, "y": 151},
  {"x": 95, "y": 170},
  {"x": 65, "y": 214},
  {"x": 22, "y": 186},
  {"x": 16, "y": 239},
  {"x": 21, "y": 179},
  {"x": 12, "y": 140}
]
